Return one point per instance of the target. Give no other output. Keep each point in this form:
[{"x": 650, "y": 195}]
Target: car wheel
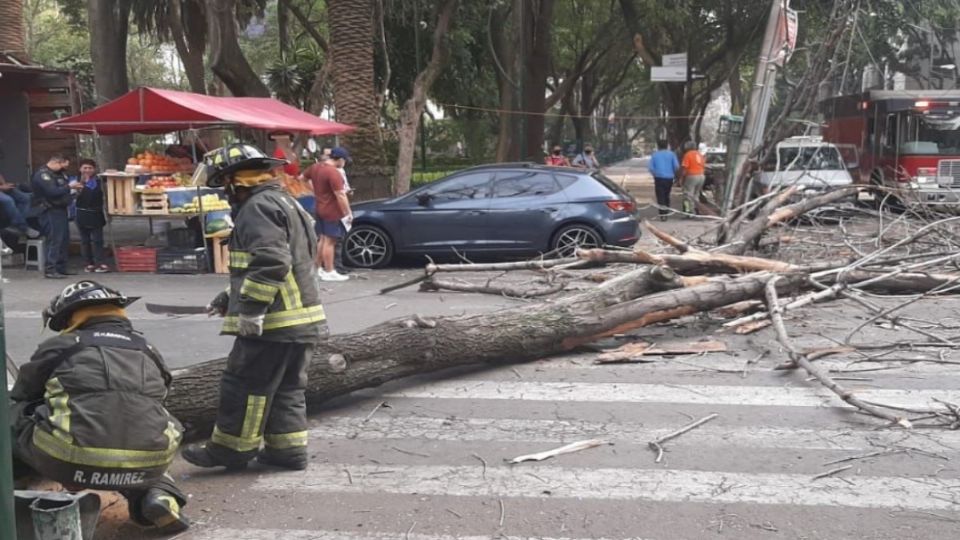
[
  {"x": 367, "y": 246},
  {"x": 569, "y": 239}
]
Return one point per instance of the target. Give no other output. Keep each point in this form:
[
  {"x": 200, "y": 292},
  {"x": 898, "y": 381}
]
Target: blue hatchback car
[{"x": 502, "y": 210}]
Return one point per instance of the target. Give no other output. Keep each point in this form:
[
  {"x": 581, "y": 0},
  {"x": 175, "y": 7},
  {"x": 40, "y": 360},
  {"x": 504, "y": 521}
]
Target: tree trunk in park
[
  {"x": 413, "y": 108},
  {"x": 503, "y": 48},
  {"x": 226, "y": 58},
  {"x": 109, "y": 52},
  {"x": 189, "y": 33},
  {"x": 355, "y": 97},
  {"x": 537, "y": 20}
]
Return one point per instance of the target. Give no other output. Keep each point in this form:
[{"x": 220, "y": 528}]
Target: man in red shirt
[{"x": 332, "y": 209}]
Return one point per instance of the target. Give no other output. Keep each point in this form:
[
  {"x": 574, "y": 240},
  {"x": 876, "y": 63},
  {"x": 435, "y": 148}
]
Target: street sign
[
  {"x": 668, "y": 74},
  {"x": 675, "y": 60}
]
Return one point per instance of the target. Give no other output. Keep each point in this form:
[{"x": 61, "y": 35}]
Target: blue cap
[{"x": 340, "y": 152}]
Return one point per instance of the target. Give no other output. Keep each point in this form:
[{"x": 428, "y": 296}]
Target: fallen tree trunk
[
  {"x": 692, "y": 262},
  {"x": 409, "y": 346}
]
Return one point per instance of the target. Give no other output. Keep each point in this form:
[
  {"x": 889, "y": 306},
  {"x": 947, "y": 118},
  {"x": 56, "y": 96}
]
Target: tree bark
[
  {"x": 108, "y": 48},
  {"x": 190, "y": 42},
  {"x": 413, "y": 108},
  {"x": 352, "y": 52},
  {"x": 501, "y": 46},
  {"x": 226, "y": 58},
  {"x": 538, "y": 18},
  {"x": 408, "y": 346}
]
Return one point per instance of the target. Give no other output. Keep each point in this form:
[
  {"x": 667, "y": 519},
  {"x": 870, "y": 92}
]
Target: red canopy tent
[{"x": 151, "y": 110}]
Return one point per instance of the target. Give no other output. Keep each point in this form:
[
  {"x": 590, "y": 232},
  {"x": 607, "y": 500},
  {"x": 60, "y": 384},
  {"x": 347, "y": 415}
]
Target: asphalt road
[
  {"x": 425, "y": 458},
  {"x": 186, "y": 340}
]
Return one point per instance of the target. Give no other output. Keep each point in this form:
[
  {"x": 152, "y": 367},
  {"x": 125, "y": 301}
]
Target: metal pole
[
  {"x": 755, "y": 118},
  {"x": 8, "y": 527}
]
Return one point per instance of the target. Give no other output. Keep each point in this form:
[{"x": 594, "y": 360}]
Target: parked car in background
[
  {"x": 502, "y": 210},
  {"x": 807, "y": 162}
]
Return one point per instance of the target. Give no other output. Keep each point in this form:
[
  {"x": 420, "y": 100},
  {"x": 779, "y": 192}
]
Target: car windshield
[
  {"x": 809, "y": 158},
  {"x": 932, "y": 135}
]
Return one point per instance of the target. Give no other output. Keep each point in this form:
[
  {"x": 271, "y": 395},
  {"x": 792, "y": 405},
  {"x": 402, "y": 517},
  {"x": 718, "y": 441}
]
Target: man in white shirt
[{"x": 586, "y": 159}]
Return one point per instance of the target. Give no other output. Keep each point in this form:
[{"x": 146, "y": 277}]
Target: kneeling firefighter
[
  {"x": 88, "y": 407},
  {"x": 273, "y": 308}
]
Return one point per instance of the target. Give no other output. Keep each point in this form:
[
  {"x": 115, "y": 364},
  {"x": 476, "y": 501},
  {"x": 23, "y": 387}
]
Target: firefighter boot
[
  {"x": 295, "y": 461},
  {"x": 203, "y": 456},
  {"x": 163, "y": 510}
]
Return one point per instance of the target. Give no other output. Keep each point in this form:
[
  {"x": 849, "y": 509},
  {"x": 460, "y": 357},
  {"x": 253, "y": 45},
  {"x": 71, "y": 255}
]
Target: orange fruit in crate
[{"x": 132, "y": 161}]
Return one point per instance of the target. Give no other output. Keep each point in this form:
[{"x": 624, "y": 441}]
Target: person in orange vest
[{"x": 692, "y": 176}]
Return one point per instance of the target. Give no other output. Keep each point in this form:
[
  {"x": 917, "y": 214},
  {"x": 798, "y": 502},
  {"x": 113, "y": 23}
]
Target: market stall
[{"x": 157, "y": 185}]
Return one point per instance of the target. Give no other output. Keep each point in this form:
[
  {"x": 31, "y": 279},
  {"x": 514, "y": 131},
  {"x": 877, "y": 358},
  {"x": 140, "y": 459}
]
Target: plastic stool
[{"x": 40, "y": 254}]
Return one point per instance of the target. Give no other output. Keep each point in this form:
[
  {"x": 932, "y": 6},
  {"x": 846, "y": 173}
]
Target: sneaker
[
  {"x": 54, "y": 275},
  {"x": 102, "y": 269},
  {"x": 201, "y": 456},
  {"x": 321, "y": 273},
  {"x": 31, "y": 233},
  {"x": 90, "y": 268},
  {"x": 4, "y": 250},
  {"x": 163, "y": 510},
  {"x": 333, "y": 276}
]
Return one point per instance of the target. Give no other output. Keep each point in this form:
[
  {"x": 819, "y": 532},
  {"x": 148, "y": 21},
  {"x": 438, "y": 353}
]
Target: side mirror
[{"x": 424, "y": 199}]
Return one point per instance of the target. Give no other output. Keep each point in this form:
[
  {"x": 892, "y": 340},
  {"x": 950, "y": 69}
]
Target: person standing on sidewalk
[
  {"x": 692, "y": 176},
  {"x": 587, "y": 159},
  {"x": 663, "y": 166},
  {"x": 273, "y": 308},
  {"x": 332, "y": 210},
  {"x": 341, "y": 153},
  {"x": 90, "y": 217},
  {"x": 53, "y": 192}
]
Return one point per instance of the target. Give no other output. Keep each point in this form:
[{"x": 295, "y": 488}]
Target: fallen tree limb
[
  {"x": 434, "y": 284},
  {"x": 404, "y": 347},
  {"x": 693, "y": 262},
  {"x": 773, "y": 213},
  {"x": 801, "y": 360}
]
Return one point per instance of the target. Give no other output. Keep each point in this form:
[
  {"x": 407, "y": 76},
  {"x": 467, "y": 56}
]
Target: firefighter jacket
[
  {"x": 273, "y": 249},
  {"x": 95, "y": 399}
]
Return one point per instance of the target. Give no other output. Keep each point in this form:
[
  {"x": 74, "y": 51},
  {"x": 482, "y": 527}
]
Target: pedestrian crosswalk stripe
[
  {"x": 658, "y": 485},
  {"x": 768, "y": 396},
  {"x": 561, "y": 431},
  {"x": 298, "y": 534}
]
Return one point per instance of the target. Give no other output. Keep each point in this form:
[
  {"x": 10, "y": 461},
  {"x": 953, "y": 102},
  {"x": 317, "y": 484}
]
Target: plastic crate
[
  {"x": 183, "y": 238},
  {"x": 136, "y": 259},
  {"x": 182, "y": 261}
]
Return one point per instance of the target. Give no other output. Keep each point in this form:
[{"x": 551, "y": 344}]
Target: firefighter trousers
[
  {"x": 262, "y": 402},
  {"x": 28, "y": 461}
]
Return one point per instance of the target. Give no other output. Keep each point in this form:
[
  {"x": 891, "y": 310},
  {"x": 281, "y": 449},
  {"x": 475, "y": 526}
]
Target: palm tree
[
  {"x": 184, "y": 23},
  {"x": 355, "y": 94},
  {"x": 12, "y": 37}
]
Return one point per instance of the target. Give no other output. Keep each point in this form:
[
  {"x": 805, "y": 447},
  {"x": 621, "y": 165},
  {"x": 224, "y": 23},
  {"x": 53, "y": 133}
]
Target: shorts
[{"x": 330, "y": 229}]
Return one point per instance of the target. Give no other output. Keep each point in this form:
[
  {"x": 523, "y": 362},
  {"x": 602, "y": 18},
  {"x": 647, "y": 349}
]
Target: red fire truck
[{"x": 908, "y": 140}]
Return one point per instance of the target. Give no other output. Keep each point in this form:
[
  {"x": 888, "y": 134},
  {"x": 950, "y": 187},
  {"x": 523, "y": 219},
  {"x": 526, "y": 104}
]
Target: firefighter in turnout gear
[
  {"x": 87, "y": 410},
  {"x": 272, "y": 307}
]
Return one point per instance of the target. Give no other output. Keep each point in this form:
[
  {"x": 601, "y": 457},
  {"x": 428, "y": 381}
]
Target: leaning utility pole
[{"x": 755, "y": 118}]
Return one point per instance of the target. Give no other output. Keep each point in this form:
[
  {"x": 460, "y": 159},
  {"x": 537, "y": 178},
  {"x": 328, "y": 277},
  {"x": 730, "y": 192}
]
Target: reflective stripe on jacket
[
  {"x": 98, "y": 395},
  {"x": 273, "y": 273}
]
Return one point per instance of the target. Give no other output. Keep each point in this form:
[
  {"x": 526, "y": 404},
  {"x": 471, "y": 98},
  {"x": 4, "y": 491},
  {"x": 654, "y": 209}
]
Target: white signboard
[
  {"x": 668, "y": 74},
  {"x": 675, "y": 60}
]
